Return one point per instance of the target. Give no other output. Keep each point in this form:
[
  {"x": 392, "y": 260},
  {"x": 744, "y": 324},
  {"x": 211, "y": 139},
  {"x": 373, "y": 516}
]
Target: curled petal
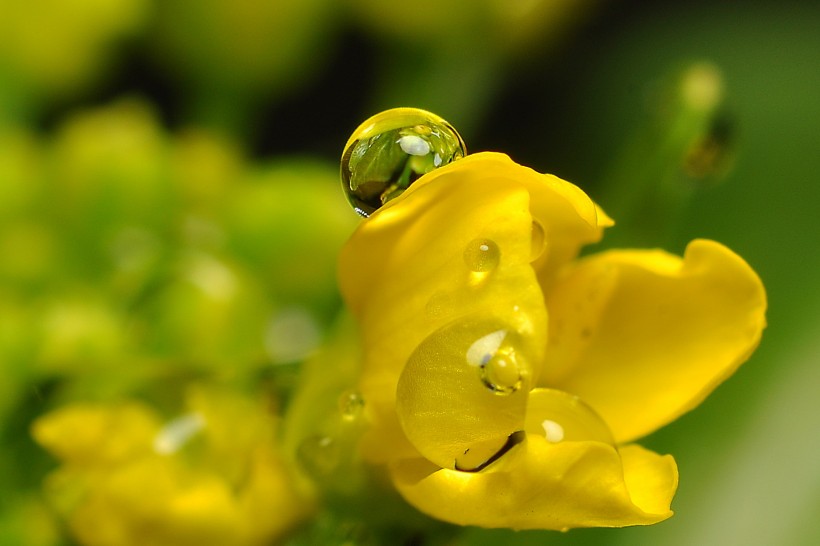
[
  {"x": 541, "y": 485},
  {"x": 644, "y": 336}
]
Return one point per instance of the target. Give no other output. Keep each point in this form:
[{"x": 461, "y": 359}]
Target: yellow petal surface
[
  {"x": 457, "y": 243},
  {"x": 644, "y": 336},
  {"x": 544, "y": 485}
]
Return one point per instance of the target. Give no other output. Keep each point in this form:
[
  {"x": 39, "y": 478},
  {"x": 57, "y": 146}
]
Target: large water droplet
[
  {"x": 562, "y": 417},
  {"x": 482, "y": 255},
  {"x": 390, "y": 151},
  {"x": 456, "y": 402},
  {"x": 351, "y": 405}
]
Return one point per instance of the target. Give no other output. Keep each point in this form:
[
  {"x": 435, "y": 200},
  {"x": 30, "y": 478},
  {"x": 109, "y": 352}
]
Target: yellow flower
[
  {"x": 211, "y": 476},
  {"x": 504, "y": 377}
]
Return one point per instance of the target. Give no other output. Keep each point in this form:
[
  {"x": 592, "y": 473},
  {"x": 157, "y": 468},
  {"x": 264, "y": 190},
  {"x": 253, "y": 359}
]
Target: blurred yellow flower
[
  {"x": 210, "y": 476},
  {"x": 505, "y": 378},
  {"x": 53, "y": 47}
]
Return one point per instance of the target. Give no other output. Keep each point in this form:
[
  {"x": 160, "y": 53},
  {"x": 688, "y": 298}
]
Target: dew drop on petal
[
  {"x": 351, "y": 405},
  {"x": 482, "y": 255},
  {"x": 439, "y": 305},
  {"x": 457, "y": 403},
  {"x": 538, "y": 241},
  {"x": 562, "y": 417},
  {"x": 390, "y": 151}
]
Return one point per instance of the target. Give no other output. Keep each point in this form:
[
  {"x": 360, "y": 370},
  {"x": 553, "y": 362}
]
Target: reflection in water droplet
[
  {"x": 562, "y": 417},
  {"x": 351, "y": 405},
  {"x": 497, "y": 363},
  {"x": 318, "y": 455},
  {"x": 390, "y": 151},
  {"x": 501, "y": 373},
  {"x": 481, "y": 455},
  {"x": 482, "y": 255},
  {"x": 538, "y": 240}
]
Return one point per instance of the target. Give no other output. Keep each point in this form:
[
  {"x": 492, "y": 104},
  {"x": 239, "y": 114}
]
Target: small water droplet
[
  {"x": 351, "y": 405},
  {"x": 538, "y": 240},
  {"x": 318, "y": 455},
  {"x": 561, "y": 417},
  {"x": 438, "y": 305},
  {"x": 482, "y": 255},
  {"x": 390, "y": 151}
]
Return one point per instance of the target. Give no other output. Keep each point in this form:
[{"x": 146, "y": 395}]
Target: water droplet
[
  {"x": 561, "y": 417},
  {"x": 455, "y": 402},
  {"x": 318, "y": 455},
  {"x": 390, "y": 151},
  {"x": 482, "y": 255},
  {"x": 497, "y": 363},
  {"x": 438, "y": 305},
  {"x": 351, "y": 405},
  {"x": 538, "y": 240}
]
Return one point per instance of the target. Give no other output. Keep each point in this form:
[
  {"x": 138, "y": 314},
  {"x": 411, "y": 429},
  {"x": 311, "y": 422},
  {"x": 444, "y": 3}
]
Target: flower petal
[
  {"x": 405, "y": 272},
  {"x": 540, "y": 485},
  {"x": 456, "y": 243},
  {"x": 644, "y": 336}
]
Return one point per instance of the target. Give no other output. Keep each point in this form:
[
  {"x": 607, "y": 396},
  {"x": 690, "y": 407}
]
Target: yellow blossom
[
  {"x": 212, "y": 475},
  {"x": 505, "y": 377}
]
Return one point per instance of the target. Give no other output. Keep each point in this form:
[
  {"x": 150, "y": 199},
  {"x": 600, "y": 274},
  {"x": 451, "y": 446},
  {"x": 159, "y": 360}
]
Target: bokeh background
[{"x": 170, "y": 210}]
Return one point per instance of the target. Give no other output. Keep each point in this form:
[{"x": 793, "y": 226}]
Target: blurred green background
[{"x": 170, "y": 210}]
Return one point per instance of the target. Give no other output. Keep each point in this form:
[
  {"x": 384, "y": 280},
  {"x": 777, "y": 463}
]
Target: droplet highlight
[
  {"x": 482, "y": 255},
  {"x": 351, "y": 405},
  {"x": 393, "y": 149},
  {"x": 553, "y": 431}
]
